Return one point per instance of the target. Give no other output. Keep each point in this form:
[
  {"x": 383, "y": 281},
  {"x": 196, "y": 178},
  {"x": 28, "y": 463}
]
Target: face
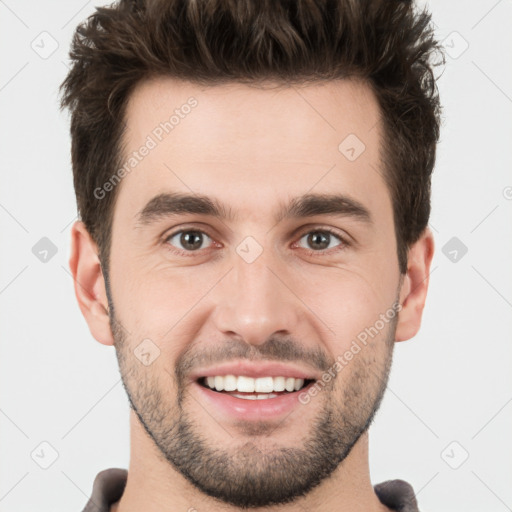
[{"x": 253, "y": 246}]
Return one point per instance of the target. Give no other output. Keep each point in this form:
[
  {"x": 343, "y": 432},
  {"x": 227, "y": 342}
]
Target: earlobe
[
  {"x": 413, "y": 292},
  {"x": 89, "y": 283}
]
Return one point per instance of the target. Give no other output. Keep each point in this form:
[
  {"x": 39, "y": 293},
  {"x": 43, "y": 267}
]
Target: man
[{"x": 253, "y": 182}]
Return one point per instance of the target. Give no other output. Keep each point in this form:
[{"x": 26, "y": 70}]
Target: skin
[{"x": 252, "y": 149}]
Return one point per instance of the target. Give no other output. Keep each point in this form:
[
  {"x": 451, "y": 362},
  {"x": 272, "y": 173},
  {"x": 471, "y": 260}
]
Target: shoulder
[
  {"x": 107, "y": 488},
  {"x": 397, "y": 495}
]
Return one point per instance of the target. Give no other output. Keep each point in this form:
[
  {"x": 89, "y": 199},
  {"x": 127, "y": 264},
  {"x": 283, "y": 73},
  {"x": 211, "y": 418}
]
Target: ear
[
  {"x": 413, "y": 292},
  {"x": 89, "y": 283}
]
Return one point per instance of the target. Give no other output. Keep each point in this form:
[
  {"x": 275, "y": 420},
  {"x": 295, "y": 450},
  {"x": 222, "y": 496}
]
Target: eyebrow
[{"x": 308, "y": 205}]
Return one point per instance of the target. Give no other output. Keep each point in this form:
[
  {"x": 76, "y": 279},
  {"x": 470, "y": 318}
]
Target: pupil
[
  {"x": 319, "y": 239},
  {"x": 187, "y": 239}
]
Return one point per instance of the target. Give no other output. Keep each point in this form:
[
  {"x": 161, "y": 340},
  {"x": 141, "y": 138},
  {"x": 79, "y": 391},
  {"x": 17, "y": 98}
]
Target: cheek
[
  {"x": 347, "y": 301},
  {"x": 159, "y": 302}
]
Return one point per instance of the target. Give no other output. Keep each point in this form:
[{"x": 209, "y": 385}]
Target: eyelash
[{"x": 344, "y": 243}]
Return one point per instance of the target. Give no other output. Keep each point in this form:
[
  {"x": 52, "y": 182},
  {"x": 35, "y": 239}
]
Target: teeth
[
  {"x": 279, "y": 383},
  {"x": 290, "y": 384},
  {"x": 298, "y": 384},
  {"x": 264, "y": 385},
  {"x": 230, "y": 382},
  {"x": 219, "y": 383},
  {"x": 245, "y": 384}
]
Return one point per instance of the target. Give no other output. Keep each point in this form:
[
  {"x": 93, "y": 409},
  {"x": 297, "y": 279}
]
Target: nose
[{"x": 256, "y": 300}]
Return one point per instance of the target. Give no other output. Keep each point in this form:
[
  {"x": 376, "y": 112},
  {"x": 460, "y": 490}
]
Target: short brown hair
[{"x": 386, "y": 43}]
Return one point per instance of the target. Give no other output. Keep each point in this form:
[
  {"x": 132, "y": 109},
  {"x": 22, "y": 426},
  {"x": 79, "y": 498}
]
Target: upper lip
[{"x": 254, "y": 370}]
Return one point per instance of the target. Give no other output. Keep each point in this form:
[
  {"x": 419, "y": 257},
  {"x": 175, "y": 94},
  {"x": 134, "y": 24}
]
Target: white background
[{"x": 452, "y": 382}]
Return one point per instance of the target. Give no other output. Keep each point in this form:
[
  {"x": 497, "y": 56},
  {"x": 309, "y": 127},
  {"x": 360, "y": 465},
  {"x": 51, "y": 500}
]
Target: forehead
[{"x": 252, "y": 143}]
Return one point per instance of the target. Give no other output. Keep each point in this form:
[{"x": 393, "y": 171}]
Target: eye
[
  {"x": 188, "y": 241},
  {"x": 321, "y": 240}
]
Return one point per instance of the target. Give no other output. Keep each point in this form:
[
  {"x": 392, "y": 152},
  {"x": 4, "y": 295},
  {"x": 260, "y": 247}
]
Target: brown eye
[
  {"x": 320, "y": 240},
  {"x": 191, "y": 240}
]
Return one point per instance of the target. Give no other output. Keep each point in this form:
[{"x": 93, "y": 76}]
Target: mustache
[{"x": 276, "y": 348}]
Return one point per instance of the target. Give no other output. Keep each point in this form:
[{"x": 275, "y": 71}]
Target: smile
[{"x": 250, "y": 388}]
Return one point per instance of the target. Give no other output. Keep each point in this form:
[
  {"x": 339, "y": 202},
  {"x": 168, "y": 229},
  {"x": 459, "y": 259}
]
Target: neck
[{"x": 153, "y": 485}]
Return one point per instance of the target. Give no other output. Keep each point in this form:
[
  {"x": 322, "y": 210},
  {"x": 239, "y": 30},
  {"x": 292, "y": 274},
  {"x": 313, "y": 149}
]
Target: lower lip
[{"x": 252, "y": 410}]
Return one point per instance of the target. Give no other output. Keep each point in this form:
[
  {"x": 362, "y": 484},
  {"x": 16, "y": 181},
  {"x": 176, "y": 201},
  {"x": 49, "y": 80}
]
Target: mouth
[
  {"x": 253, "y": 391},
  {"x": 249, "y": 388}
]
